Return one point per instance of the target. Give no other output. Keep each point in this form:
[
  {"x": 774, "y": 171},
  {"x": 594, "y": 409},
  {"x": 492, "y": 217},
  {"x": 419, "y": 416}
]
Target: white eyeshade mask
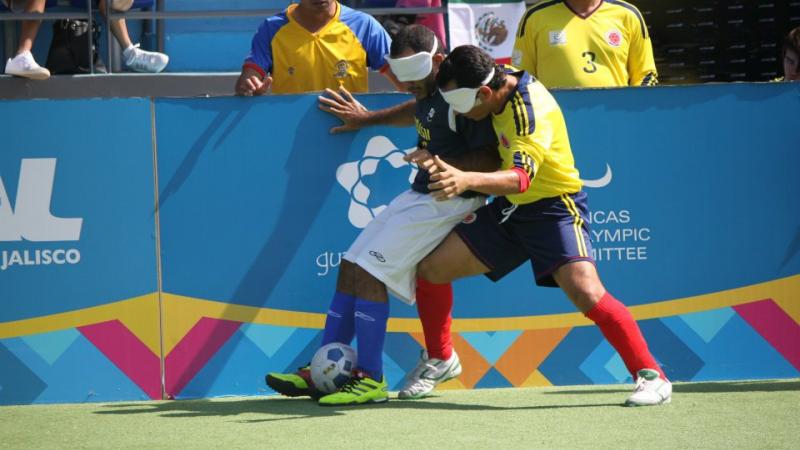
[
  {"x": 464, "y": 99},
  {"x": 415, "y": 67}
]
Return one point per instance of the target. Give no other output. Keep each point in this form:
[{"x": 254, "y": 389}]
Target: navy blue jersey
[{"x": 451, "y": 136}]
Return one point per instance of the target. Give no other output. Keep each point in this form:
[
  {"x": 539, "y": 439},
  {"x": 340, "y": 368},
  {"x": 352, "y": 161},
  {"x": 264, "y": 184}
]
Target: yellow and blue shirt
[
  {"x": 340, "y": 54},
  {"x": 532, "y": 137},
  {"x": 609, "y": 47}
]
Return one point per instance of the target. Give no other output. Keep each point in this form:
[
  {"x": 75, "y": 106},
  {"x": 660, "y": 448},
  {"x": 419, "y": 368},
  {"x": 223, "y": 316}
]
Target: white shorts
[{"x": 413, "y": 224}]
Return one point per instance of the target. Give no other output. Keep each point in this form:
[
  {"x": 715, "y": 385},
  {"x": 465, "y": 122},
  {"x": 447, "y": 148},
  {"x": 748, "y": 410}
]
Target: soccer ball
[{"x": 332, "y": 366}]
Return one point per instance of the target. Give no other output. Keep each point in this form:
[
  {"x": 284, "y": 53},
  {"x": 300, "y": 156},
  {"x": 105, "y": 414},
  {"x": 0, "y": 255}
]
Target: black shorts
[{"x": 550, "y": 233}]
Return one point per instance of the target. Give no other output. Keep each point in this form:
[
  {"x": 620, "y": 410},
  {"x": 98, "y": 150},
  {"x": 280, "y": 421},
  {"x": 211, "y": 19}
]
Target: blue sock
[
  {"x": 371, "y": 318},
  {"x": 340, "y": 322}
]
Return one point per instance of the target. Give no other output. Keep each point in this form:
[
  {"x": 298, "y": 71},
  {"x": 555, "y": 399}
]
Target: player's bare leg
[
  {"x": 451, "y": 260},
  {"x": 366, "y": 286},
  {"x": 581, "y": 283}
]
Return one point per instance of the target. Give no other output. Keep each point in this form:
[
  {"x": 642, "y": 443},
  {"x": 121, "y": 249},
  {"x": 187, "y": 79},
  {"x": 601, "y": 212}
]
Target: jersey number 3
[{"x": 590, "y": 66}]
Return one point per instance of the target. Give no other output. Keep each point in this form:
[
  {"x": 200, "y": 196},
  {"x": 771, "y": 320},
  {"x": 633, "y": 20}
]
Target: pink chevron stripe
[
  {"x": 192, "y": 353},
  {"x": 128, "y": 353},
  {"x": 774, "y": 325}
]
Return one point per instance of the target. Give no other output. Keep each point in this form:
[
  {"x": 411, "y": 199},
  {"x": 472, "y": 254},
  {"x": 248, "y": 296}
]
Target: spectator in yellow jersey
[
  {"x": 585, "y": 43},
  {"x": 791, "y": 56},
  {"x": 313, "y": 45}
]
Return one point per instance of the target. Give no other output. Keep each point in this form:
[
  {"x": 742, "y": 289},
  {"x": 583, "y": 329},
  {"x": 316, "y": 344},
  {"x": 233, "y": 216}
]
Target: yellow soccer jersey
[
  {"x": 610, "y": 47},
  {"x": 339, "y": 54},
  {"x": 533, "y": 136}
]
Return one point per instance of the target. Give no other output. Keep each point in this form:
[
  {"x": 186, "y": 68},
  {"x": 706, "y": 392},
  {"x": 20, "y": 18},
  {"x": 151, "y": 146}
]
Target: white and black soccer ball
[{"x": 332, "y": 366}]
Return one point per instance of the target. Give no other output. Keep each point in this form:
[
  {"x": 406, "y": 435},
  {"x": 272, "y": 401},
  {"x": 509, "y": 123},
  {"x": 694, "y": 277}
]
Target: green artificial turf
[{"x": 742, "y": 414}]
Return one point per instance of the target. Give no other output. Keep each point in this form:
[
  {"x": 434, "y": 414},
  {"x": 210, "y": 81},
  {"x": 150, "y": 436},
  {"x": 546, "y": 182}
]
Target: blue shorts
[{"x": 550, "y": 233}]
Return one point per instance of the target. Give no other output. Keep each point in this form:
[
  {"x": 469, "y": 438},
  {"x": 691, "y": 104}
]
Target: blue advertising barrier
[
  {"x": 681, "y": 180},
  {"x": 77, "y": 234},
  {"x": 695, "y": 226}
]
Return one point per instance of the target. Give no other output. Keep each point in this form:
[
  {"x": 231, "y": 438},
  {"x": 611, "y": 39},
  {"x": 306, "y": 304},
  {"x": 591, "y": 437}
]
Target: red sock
[
  {"x": 617, "y": 325},
  {"x": 434, "y": 305}
]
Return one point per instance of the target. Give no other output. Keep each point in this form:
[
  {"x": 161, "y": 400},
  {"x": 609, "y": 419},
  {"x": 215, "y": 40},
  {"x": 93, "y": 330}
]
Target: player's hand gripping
[
  {"x": 447, "y": 181},
  {"x": 343, "y": 105},
  {"x": 422, "y": 158}
]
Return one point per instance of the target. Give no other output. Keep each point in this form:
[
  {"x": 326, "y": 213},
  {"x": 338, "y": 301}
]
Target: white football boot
[
  {"x": 429, "y": 373},
  {"x": 650, "y": 389}
]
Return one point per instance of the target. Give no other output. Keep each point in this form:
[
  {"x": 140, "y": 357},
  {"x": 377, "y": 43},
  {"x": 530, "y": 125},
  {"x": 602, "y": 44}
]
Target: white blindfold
[
  {"x": 463, "y": 99},
  {"x": 415, "y": 67}
]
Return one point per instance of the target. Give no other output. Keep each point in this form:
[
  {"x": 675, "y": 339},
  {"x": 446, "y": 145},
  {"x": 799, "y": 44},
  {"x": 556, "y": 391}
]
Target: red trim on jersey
[
  {"x": 256, "y": 67},
  {"x": 524, "y": 181},
  {"x": 506, "y": 61}
]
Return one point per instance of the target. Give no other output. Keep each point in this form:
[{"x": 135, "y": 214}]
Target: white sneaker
[
  {"x": 429, "y": 373},
  {"x": 650, "y": 390},
  {"x": 23, "y": 65},
  {"x": 143, "y": 61}
]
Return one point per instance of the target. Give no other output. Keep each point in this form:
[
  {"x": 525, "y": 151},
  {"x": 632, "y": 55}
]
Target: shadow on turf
[
  {"x": 705, "y": 388},
  {"x": 291, "y": 409}
]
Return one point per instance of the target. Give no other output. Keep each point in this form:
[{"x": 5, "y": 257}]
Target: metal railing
[{"x": 160, "y": 15}]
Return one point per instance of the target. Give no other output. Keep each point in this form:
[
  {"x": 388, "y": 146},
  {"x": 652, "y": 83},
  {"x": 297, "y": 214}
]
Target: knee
[
  {"x": 589, "y": 296},
  {"x": 432, "y": 272}
]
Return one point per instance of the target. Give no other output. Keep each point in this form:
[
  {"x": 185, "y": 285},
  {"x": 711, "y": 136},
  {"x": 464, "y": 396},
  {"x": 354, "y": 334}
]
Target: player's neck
[
  {"x": 500, "y": 96},
  {"x": 312, "y": 19},
  {"x": 583, "y": 8}
]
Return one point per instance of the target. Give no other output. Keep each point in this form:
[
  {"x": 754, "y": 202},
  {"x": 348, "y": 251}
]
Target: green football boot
[
  {"x": 297, "y": 384},
  {"x": 360, "y": 390}
]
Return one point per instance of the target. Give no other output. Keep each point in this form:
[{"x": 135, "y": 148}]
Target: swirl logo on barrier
[{"x": 350, "y": 176}]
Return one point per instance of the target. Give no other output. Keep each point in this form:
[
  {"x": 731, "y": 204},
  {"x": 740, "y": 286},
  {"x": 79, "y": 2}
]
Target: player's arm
[
  {"x": 641, "y": 64},
  {"x": 254, "y": 78},
  {"x": 483, "y": 159},
  {"x": 354, "y": 115},
  {"x": 448, "y": 182}
]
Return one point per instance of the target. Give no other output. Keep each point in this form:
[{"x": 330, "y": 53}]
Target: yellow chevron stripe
[
  {"x": 517, "y": 117},
  {"x": 139, "y": 314},
  {"x": 580, "y": 226},
  {"x": 182, "y": 313},
  {"x": 577, "y": 223},
  {"x": 536, "y": 379},
  {"x": 526, "y": 128}
]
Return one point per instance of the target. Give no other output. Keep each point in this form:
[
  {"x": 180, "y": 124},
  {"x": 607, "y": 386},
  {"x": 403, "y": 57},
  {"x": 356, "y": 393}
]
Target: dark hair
[
  {"x": 469, "y": 66},
  {"x": 418, "y": 38},
  {"x": 792, "y": 41}
]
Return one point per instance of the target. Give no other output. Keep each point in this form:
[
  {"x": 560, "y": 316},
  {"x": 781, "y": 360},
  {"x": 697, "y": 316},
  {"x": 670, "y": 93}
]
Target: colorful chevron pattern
[{"x": 119, "y": 351}]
